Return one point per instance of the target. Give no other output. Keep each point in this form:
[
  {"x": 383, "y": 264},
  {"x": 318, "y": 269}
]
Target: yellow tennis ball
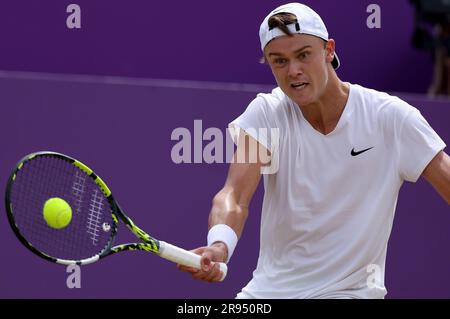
[{"x": 57, "y": 212}]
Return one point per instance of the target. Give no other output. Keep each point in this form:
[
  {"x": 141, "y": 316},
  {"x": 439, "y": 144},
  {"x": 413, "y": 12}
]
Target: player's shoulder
[
  {"x": 272, "y": 101},
  {"x": 381, "y": 103}
]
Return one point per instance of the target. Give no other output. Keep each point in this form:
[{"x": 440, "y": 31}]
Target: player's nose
[{"x": 295, "y": 69}]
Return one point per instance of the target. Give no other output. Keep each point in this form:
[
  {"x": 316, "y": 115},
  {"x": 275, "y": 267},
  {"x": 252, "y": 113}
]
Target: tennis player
[{"x": 344, "y": 151}]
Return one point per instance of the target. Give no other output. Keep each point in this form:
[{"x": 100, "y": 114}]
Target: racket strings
[
  {"x": 95, "y": 216},
  {"x": 45, "y": 177},
  {"x": 33, "y": 194}
]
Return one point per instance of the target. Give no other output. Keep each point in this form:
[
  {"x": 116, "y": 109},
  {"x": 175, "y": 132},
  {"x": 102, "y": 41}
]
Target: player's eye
[
  {"x": 279, "y": 61},
  {"x": 304, "y": 55}
]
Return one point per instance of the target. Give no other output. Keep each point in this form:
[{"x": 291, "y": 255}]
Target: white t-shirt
[{"x": 328, "y": 211}]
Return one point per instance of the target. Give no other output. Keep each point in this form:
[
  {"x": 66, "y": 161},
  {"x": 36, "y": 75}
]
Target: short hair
[{"x": 281, "y": 20}]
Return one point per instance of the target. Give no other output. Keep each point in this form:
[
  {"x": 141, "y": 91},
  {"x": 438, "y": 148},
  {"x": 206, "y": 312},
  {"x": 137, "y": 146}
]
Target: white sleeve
[
  {"x": 417, "y": 145},
  {"x": 255, "y": 122}
]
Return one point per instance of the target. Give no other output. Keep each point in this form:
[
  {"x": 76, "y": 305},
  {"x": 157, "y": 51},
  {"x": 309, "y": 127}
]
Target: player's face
[{"x": 299, "y": 64}]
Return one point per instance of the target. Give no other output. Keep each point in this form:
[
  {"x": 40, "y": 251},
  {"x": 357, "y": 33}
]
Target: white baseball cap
[{"x": 308, "y": 22}]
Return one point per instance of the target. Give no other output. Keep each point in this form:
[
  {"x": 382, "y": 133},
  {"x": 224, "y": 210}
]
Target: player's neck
[{"x": 324, "y": 114}]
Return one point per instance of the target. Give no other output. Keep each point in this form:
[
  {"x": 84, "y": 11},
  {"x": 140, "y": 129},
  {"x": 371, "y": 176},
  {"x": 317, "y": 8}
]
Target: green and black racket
[{"x": 90, "y": 234}]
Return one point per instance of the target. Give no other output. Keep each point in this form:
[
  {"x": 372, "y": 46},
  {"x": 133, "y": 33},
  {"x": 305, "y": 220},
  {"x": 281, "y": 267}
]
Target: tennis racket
[{"x": 91, "y": 232}]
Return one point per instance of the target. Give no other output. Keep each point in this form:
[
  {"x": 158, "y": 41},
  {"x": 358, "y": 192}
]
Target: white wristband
[{"x": 225, "y": 234}]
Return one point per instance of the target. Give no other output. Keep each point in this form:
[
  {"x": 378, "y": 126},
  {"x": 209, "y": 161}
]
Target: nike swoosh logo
[{"x": 354, "y": 153}]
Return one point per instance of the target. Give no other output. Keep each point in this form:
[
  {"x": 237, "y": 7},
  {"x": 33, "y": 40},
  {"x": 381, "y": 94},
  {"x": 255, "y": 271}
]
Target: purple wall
[
  {"x": 202, "y": 40},
  {"x": 89, "y": 119},
  {"x": 123, "y": 132}
]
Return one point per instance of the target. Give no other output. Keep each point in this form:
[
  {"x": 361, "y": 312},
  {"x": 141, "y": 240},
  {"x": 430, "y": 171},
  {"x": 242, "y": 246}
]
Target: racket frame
[{"x": 150, "y": 244}]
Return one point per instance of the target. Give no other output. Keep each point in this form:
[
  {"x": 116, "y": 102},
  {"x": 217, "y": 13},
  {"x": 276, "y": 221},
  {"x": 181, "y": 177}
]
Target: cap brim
[{"x": 336, "y": 63}]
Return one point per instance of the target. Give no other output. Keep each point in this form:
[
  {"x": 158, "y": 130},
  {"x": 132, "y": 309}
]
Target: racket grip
[{"x": 186, "y": 258}]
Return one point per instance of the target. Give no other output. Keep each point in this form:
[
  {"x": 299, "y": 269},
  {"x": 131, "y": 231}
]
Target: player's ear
[{"x": 330, "y": 48}]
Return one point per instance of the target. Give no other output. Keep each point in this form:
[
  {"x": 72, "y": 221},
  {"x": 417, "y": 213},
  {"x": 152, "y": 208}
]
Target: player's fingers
[
  {"x": 187, "y": 269},
  {"x": 206, "y": 261},
  {"x": 209, "y": 270},
  {"x": 203, "y": 275},
  {"x": 200, "y": 275},
  {"x": 197, "y": 251},
  {"x": 214, "y": 274}
]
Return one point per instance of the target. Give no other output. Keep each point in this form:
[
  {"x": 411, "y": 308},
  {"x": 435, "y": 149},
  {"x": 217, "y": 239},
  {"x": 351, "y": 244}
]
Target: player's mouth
[{"x": 299, "y": 85}]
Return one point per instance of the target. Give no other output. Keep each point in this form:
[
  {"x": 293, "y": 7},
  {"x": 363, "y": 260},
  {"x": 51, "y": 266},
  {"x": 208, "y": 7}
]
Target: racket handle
[{"x": 187, "y": 258}]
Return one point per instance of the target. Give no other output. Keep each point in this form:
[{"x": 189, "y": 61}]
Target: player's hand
[{"x": 210, "y": 256}]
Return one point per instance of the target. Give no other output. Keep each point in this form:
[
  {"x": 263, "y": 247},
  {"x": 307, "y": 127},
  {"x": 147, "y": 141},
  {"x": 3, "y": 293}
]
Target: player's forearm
[{"x": 229, "y": 208}]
